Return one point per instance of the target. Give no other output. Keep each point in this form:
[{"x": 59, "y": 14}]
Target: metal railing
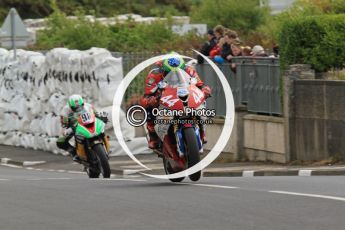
[
  {"x": 260, "y": 84},
  {"x": 129, "y": 61},
  {"x": 255, "y": 84}
]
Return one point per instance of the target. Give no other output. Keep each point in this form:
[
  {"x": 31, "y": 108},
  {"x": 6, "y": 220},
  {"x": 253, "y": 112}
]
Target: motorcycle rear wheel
[{"x": 193, "y": 154}]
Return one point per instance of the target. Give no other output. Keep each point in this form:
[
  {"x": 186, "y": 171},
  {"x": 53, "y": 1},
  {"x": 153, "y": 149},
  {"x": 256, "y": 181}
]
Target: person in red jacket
[{"x": 151, "y": 96}]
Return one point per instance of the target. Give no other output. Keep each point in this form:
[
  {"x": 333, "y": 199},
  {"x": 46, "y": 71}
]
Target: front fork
[
  {"x": 102, "y": 140},
  {"x": 178, "y": 130}
]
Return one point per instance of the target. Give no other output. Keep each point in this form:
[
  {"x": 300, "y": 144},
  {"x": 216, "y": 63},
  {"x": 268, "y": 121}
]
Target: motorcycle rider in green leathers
[{"x": 68, "y": 118}]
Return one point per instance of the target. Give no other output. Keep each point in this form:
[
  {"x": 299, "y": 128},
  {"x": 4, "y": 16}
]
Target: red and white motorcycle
[{"x": 178, "y": 129}]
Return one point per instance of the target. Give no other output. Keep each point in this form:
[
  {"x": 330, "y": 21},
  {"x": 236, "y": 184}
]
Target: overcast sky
[{"x": 279, "y": 5}]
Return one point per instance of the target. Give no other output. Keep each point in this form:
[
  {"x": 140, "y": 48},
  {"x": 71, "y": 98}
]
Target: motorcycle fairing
[
  {"x": 91, "y": 130},
  {"x": 196, "y": 97},
  {"x": 170, "y": 100}
]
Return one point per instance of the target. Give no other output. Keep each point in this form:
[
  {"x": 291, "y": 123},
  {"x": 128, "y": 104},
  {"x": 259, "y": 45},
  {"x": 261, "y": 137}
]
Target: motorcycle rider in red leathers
[{"x": 151, "y": 96}]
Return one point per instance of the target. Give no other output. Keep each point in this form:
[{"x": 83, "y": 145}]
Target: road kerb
[
  {"x": 9, "y": 161},
  {"x": 302, "y": 172}
]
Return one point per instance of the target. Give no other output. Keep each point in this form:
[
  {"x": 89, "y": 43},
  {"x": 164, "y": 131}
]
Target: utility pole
[{"x": 13, "y": 33}]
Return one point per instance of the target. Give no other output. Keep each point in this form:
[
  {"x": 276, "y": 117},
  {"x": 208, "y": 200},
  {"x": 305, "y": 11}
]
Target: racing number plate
[{"x": 86, "y": 117}]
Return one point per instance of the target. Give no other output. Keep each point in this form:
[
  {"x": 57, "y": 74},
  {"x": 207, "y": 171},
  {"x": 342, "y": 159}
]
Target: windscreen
[{"x": 178, "y": 78}]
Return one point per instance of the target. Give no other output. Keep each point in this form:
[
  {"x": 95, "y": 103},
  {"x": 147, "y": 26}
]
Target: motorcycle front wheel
[
  {"x": 193, "y": 155},
  {"x": 101, "y": 154}
]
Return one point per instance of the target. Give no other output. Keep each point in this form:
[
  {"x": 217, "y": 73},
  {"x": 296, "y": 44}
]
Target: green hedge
[
  {"x": 315, "y": 40},
  {"x": 128, "y": 36}
]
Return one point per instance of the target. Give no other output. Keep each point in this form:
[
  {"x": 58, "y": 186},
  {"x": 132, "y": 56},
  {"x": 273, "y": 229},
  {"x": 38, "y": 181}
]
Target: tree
[{"x": 241, "y": 15}]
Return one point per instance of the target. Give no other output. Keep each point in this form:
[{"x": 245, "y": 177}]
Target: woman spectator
[
  {"x": 246, "y": 50},
  {"x": 226, "y": 51},
  {"x": 236, "y": 51}
]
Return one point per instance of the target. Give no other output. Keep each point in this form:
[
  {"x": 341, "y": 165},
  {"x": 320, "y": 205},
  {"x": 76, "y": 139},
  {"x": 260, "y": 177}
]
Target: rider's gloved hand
[
  {"x": 207, "y": 91},
  {"x": 68, "y": 132},
  {"x": 102, "y": 116},
  {"x": 149, "y": 101},
  {"x": 104, "y": 119}
]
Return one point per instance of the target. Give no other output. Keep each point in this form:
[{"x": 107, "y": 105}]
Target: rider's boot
[
  {"x": 73, "y": 152},
  {"x": 203, "y": 134},
  {"x": 154, "y": 139}
]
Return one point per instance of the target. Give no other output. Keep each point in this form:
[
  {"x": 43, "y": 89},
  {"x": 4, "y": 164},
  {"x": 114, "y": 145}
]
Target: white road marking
[
  {"x": 29, "y": 168},
  {"x": 131, "y": 176},
  {"x": 116, "y": 179},
  {"x": 4, "y": 179},
  {"x": 51, "y": 170},
  {"x": 61, "y": 171},
  {"x": 210, "y": 185},
  {"x": 215, "y": 186},
  {"x": 76, "y": 172},
  {"x": 31, "y": 163},
  {"x": 310, "y": 195},
  {"x": 11, "y": 166},
  {"x": 131, "y": 171},
  {"x": 248, "y": 173},
  {"x": 304, "y": 172},
  {"x": 39, "y": 179},
  {"x": 5, "y": 160}
]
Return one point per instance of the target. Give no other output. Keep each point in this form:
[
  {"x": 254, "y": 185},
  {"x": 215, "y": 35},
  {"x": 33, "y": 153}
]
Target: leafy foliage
[
  {"x": 241, "y": 15},
  {"x": 130, "y": 36},
  {"x": 79, "y": 34},
  {"x": 316, "y": 40},
  {"x": 104, "y": 8},
  {"x": 300, "y": 9}
]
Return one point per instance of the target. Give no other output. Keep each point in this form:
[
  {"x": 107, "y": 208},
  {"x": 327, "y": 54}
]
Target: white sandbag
[{"x": 35, "y": 87}]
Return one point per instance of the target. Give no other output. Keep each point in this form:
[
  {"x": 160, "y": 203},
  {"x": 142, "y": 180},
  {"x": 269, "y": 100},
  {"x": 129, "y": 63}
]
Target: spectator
[
  {"x": 246, "y": 50},
  {"x": 226, "y": 51},
  {"x": 219, "y": 32},
  {"x": 236, "y": 48},
  {"x": 258, "y": 51},
  {"x": 236, "y": 51},
  {"x": 216, "y": 50},
  {"x": 208, "y": 46},
  {"x": 275, "y": 52}
]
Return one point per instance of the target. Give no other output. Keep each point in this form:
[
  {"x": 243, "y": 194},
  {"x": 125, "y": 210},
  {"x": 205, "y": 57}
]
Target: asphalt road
[{"x": 35, "y": 200}]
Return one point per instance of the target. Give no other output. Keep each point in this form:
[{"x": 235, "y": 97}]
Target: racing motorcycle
[
  {"x": 92, "y": 144},
  {"x": 179, "y": 132}
]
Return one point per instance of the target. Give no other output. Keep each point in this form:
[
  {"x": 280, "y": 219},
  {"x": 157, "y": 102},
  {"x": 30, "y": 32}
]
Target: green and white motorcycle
[{"x": 92, "y": 144}]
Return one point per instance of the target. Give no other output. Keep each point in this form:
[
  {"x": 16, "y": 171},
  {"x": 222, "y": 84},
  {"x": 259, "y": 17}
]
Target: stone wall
[
  {"x": 254, "y": 138},
  {"x": 318, "y": 120},
  {"x": 264, "y": 138}
]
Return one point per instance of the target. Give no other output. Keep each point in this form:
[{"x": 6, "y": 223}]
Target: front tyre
[
  {"x": 193, "y": 155},
  {"x": 92, "y": 173},
  {"x": 103, "y": 160},
  {"x": 168, "y": 170}
]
